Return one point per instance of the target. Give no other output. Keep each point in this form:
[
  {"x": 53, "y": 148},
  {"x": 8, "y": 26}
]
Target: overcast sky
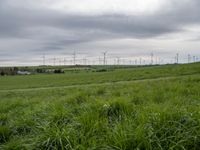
[{"x": 125, "y": 28}]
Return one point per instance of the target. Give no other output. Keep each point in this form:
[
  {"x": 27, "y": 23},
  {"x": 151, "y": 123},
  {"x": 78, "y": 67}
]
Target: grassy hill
[
  {"x": 152, "y": 108},
  {"x": 88, "y": 77}
]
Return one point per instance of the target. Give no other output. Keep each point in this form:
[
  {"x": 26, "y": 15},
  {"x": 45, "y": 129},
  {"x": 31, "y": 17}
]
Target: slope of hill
[{"x": 135, "y": 108}]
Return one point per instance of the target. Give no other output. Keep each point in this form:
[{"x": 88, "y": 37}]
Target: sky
[{"x": 125, "y": 29}]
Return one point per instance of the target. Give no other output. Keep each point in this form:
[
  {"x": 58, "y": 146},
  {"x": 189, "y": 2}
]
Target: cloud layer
[{"x": 30, "y": 28}]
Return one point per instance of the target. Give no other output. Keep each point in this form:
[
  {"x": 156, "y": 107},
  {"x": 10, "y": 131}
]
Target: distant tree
[
  {"x": 16, "y": 69},
  {"x": 38, "y": 70},
  {"x": 101, "y": 70},
  {"x": 58, "y": 71},
  {"x": 2, "y": 73}
]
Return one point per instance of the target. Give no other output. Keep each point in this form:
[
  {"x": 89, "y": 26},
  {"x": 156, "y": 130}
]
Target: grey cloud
[
  {"x": 54, "y": 31},
  {"x": 17, "y": 21}
]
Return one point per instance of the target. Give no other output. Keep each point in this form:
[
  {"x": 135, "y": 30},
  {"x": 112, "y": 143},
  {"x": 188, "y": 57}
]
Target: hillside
[{"x": 153, "y": 107}]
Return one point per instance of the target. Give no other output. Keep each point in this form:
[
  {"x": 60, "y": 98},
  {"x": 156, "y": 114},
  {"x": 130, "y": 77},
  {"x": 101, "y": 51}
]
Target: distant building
[{"x": 23, "y": 72}]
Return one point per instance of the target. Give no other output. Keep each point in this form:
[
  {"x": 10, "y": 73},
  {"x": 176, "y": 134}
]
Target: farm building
[{"x": 23, "y": 73}]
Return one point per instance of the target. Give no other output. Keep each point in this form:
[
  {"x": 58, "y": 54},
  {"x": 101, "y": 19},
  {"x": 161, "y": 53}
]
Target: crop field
[{"x": 141, "y": 108}]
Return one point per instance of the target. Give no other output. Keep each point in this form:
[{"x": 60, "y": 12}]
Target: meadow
[
  {"x": 112, "y": 74},
  {"x": 141, "y": 108}
]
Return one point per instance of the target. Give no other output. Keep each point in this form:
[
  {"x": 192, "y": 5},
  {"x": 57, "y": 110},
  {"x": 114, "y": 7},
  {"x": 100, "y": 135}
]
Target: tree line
[{"x": 6, "y": 71}]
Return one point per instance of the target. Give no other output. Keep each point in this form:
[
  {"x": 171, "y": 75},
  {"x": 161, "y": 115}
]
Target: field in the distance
[{"x": 155, "y": 107}]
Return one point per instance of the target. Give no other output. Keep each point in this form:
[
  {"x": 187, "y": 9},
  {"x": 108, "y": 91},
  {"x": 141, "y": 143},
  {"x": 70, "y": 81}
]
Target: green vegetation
[
  {"x": 89, "y": 77},
  {"x": 155, "y": 108}
]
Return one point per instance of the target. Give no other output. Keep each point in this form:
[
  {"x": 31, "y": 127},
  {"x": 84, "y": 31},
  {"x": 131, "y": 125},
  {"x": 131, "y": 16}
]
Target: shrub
[
  {"x": 101, "y": 70},
  {"x": 58, "y": 71},
  {"x": 2, "y": 73}
]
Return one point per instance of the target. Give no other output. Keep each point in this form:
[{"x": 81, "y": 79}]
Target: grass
[
  {"x": 154, "y": 115},
  {"x": 85, "y": 77}
]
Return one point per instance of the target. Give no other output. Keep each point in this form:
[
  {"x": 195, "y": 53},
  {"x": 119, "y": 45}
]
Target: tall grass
[{"x": 150, "y": 115}]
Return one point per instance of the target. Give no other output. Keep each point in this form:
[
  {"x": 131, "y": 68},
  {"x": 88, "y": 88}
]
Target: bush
[
  {"x": 2, "y": 73},
  {"x": 58, "y": 71},
  {"x": 40, "y": 70},
  {"x": 101, "y": 70}
]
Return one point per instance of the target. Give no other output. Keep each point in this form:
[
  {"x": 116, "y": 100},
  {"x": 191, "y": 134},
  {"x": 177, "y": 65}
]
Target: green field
[{"x": 150, "y": 107}]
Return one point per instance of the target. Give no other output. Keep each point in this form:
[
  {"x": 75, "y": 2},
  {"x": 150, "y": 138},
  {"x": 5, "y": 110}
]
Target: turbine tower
[
  {"x": 104, "y": 57},
  {"x": 43, "y": 59},
  {"x": 74, "y": 57},
  {"x": 151, "y": 58}
]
